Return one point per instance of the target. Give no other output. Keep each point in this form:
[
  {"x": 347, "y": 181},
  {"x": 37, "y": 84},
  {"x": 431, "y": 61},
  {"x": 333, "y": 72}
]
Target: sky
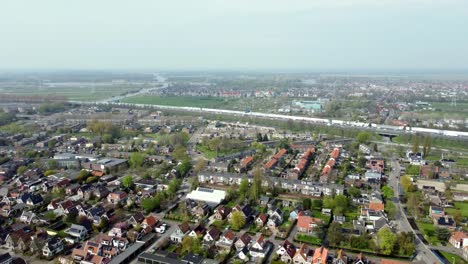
[{"x": 234, "y": 34}]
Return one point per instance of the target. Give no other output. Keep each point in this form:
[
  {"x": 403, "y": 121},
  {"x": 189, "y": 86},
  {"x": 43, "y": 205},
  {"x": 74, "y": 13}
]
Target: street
[{"x": 423, "y": 252}]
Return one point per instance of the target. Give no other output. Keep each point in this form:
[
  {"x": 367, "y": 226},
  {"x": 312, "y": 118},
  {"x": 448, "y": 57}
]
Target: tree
[
  {"x": 427, "y": 146},
  {"x": 415, "y": 148},
  {"x": 127, "y": 182},
  {"x": 191, "y": 244},
  {"x": 51, "y": 143},
  {"x": 103, "y": 224},
  {"x": 316, "y": 203},
  {"x": 306, "y": 203},
  {"x": 354, "y": 192},
  {"x": 49, "y": 172},
  {"x": 244, "y": 187},
  {"x": 82, "y": 175},
  {"x": 173, "y": 187},
  {"x": 442, "y": 234},
  {"x": 406, "y": 183},
  {"x": 257, "y": 184},
  {"x": 259, "y": 137},
  {"x": 136, "y": 160},
  {"x": 458, "y": 217},
  {"x": 362, "y": 161},
  {"x": 405, "y": 245},
  {"x": 21, "y": 169},
  {"x": 341, "y": 203},
  {"x": 150, "y": 204},
  {"x": 265, "y": 137},
  {"x": 184, "y": 167},
  {"x": 387, "y": 192},
  {"x": 237, "y": 220},
  {"x": 386, "y": 240},
  {"x": 194, "y": 183},
  {"x": 71, "y": 217},
  {"x": 391, "y": 209},
  {"x": 414, "y": 203},
  {"x": 335, "y": 234},
  {"x": 58, "y": 193},
  {"x": 180, "y": 153},
  {"x": 50, "y": 215},
  {"x": 200, "y": 165},
  {"x": 363, "y": 137}
]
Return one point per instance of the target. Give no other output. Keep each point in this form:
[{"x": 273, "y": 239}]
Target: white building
[{"x": 210, "y": 196}]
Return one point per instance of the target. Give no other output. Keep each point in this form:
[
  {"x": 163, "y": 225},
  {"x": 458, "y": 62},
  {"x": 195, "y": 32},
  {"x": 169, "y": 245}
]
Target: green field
[
  {"x": 239, "y": 104},
  {"x": 459, "y": 206},
  {"x": 451, "y": 257},
  {"x": 428, "y": 230},
  {"x": 190, "y": 101}
]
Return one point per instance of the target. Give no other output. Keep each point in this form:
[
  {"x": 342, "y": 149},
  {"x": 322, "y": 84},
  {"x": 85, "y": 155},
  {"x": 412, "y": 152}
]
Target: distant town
[{"x": 99, "y": 168}]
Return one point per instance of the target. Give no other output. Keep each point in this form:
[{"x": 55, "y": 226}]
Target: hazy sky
[{"x": 234, "y": 34}]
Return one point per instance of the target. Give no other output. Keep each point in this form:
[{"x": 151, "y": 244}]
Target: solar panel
[{"x": 205, "y": 190}]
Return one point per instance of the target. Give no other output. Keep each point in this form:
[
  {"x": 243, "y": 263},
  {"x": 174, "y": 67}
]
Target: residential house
[
  {"x": 27, "y": 217},
  {"x": 136, "y": 219},
  {"x": 246, "y": 211},
  {"x": 320, "y": 256},
  {"x": 95, "y": 214},
  {"x": 119, "y": 229},
  {"x": 339, "y": 219},
  {"x": 243, "y": 241},
  {"x": 459, "y": 239},
  {"x": 19, "y": 240},
  {"x": 117, "y": 197},
  {"x": 150, "y": 221},
  {"x": 376, "y": 205},
  {"x": 303, "y": 255},
  {"x": 201, "y": 210},
  {"x": 341, "y": 257},
  {"x": 260, "y": 247},
  {"x": 52, "y": 247},
  {"x": 306, "y": 223},
  {"x": 212, "y": 235},
  {"x": 90, "y": 253},
  {"x": 77, "y": 231},
  {"x": 101, "y": 192},
  {"x": 85, "y": 191},
  {"x": 72, "y": 189},
  {"x": 227, "y": 239},
  {"x": 221, "y": 212},
  {"x": 264, "y": 200},
  {"x": 181, "y": 230},
  {"x": 261, "y": 220},
  {"x": 286, "y": 251},
  {"x": 198, "y": 231}
]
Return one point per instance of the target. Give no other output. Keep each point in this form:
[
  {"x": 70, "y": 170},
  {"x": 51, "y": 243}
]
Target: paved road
[{"x": 423, "y": 252}]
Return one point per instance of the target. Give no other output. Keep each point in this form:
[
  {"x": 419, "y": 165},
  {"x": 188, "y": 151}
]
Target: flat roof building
[{"x": 210, "y": 196}]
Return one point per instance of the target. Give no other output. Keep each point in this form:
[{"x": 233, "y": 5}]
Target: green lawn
[
  {"x": 210, "y": 154},
  {"x": 462, "y": 162},
  {"x": 459, "y": 206},
  {"x": 428, "y": 230},
  {"x": 308, "y": 239},
  {"x": 318, "y": 214},
  {"x": 450, "y": 257}
]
